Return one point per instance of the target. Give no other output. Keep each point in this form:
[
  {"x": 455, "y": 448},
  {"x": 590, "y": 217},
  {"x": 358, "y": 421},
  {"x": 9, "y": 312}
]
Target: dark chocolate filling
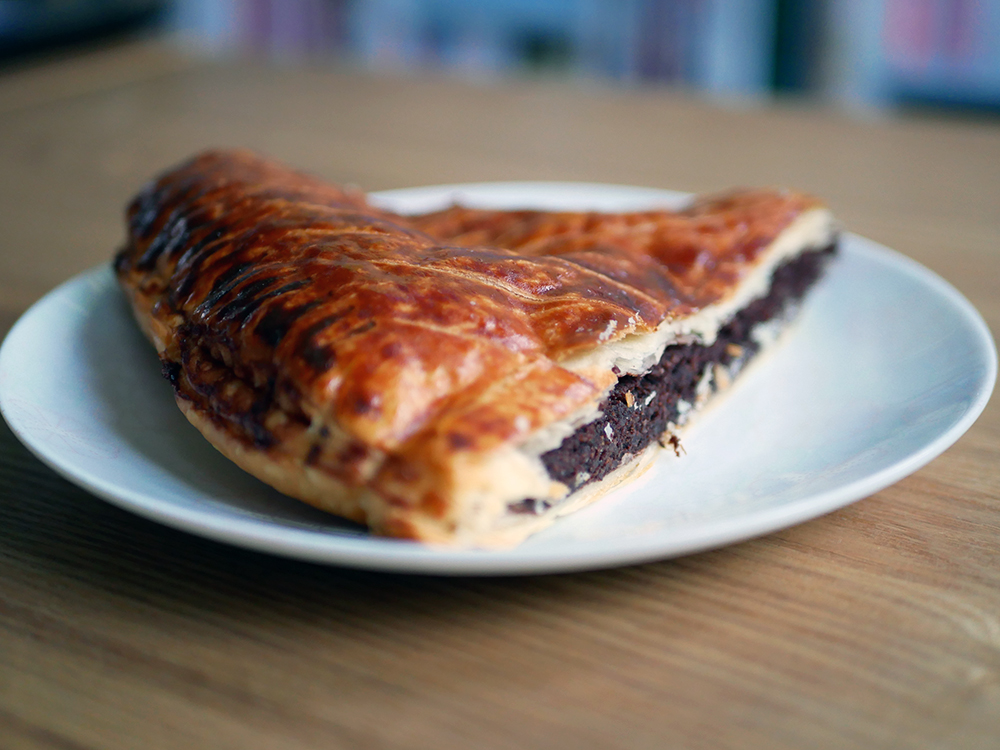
[{"x": 639, "y": 408}]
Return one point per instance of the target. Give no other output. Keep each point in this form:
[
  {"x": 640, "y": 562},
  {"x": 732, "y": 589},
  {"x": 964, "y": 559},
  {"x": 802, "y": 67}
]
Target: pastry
[{"x": 462, "y": 377}]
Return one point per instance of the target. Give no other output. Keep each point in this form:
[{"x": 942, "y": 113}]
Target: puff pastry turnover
[{"x": 460, "y": 377}]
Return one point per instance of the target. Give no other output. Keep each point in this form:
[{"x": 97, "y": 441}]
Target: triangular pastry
[{"x": 461, "y": 377}]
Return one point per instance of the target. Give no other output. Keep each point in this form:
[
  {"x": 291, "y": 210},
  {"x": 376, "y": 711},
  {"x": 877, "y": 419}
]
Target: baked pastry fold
[{"x": 459, "y": 377}]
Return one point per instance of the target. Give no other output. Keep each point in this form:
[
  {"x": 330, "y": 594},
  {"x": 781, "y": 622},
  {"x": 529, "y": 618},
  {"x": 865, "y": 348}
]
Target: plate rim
[{"x": 400, "y": 556}]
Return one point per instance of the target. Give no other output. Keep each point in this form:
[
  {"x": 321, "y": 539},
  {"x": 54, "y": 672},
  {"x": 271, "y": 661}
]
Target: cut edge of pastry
[
  {"x": 509, "y": 529},
  {"x": 488, "y": 521}
]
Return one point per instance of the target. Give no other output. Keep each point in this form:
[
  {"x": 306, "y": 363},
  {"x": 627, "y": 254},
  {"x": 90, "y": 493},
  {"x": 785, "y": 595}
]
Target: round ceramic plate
[{"x": 887, "y": 366}]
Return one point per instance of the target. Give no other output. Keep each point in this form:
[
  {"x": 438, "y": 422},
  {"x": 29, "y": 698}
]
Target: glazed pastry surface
[{"x": 388, "y": 357}]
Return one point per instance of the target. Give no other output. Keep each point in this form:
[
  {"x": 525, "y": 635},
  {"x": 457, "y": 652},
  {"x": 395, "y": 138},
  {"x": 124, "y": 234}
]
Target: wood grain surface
[{"x": 877, "y": 626}]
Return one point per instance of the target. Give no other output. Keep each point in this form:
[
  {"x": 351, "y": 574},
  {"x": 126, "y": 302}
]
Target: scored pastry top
[{"x": 418, "y": 337}]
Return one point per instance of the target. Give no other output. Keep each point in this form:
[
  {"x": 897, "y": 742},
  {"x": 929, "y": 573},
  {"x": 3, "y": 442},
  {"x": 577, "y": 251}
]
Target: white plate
[{"x": 886, "y": 368}]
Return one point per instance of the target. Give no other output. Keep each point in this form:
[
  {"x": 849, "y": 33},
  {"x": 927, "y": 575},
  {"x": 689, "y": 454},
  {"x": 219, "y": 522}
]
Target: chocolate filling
[{"x": 639, "y": 408}]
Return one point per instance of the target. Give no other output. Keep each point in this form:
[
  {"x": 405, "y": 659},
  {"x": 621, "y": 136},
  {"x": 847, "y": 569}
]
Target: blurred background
[{"x": 865, "y": 53}]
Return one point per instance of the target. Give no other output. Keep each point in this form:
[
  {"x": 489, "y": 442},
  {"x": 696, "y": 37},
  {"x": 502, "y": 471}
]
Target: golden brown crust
[{"x": 397, "y": 355}]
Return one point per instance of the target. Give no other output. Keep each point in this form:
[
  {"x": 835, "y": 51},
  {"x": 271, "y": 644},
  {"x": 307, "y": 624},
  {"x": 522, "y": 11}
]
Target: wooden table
[{"x": 877, "y": 626}]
